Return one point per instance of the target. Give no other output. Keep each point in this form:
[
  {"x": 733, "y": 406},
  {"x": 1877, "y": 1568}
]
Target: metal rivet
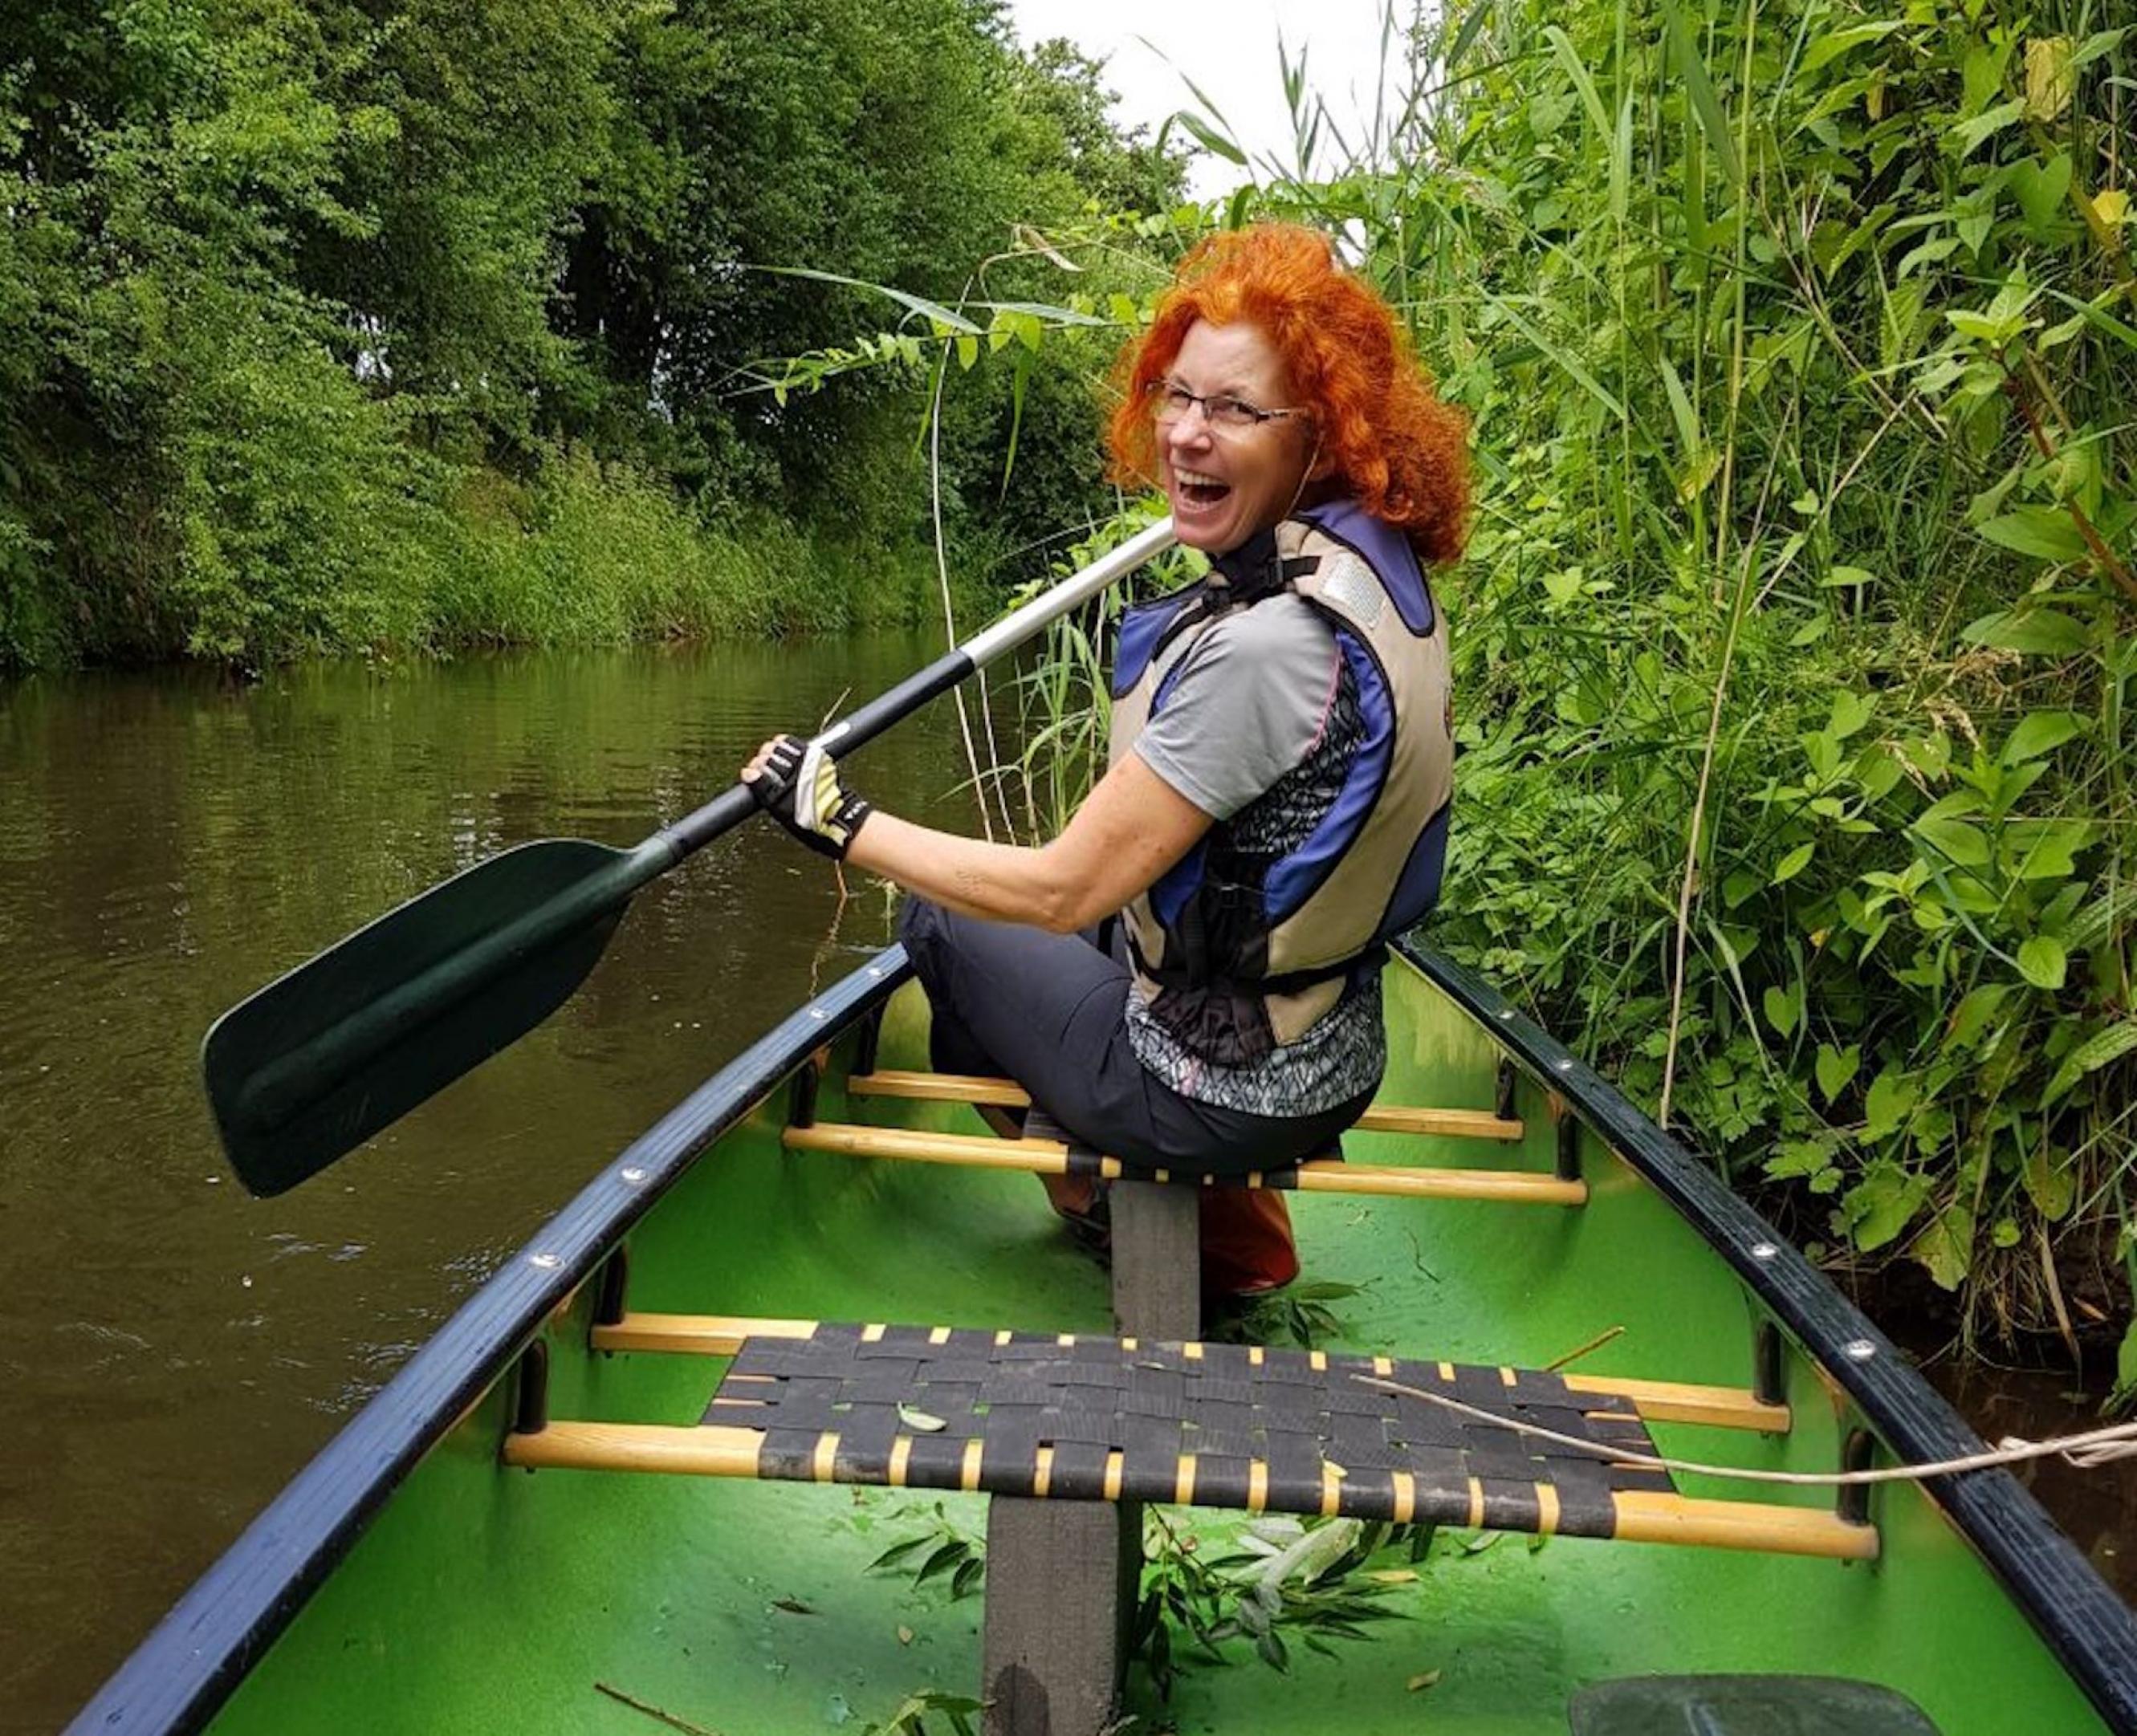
[
  {"x": 548, "y": 1262},
  {"x": 633, "y": 1176},
  {"x": 1859, "y": 1349},
  {"x": 1763, "y": 1250}
]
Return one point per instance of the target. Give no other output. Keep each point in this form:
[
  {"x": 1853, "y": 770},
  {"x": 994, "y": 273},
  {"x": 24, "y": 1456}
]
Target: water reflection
[{"x": 172, "y": 1350}]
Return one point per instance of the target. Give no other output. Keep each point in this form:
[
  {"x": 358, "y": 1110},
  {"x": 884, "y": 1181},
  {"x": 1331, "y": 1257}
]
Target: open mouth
[{"x": 1200, "y": 490}]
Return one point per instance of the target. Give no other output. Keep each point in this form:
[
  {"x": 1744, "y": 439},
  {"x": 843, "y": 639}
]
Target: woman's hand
[{"x": 798, "y": 784}]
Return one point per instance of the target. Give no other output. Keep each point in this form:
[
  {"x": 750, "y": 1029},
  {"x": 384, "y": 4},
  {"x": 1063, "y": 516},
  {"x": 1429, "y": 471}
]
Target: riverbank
[{"x": 574, "y": 555}]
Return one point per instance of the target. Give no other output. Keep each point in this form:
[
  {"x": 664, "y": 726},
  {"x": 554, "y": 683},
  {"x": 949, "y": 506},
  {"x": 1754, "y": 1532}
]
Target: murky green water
[{"x": 171, "y": 1351}]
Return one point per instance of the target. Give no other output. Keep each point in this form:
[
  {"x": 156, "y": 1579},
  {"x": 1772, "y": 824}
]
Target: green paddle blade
[{"x": 320, "y": 1060}]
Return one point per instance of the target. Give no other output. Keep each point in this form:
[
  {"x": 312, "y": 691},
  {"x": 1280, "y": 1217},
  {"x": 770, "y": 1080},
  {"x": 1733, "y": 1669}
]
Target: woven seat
[
  {"x": 1069, "y": 1418},
  {"x": 1222, "y": 1425}
]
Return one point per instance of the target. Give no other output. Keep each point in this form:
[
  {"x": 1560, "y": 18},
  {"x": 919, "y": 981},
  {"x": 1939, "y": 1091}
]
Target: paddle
[{"x": 320, "y": 1060}]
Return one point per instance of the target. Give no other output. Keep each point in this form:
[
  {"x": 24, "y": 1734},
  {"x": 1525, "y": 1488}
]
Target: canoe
[{"x": 579, "y": 1506}]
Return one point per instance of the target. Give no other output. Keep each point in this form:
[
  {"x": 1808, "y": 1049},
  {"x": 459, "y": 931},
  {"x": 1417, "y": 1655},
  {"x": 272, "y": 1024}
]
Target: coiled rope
[{"x": 2093, "y": 1447}]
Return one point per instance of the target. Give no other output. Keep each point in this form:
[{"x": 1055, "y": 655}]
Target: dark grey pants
[{"x": 1048, "y": 1011}]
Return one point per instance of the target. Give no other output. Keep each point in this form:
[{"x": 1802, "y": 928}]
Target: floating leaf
[{"x": 919, "y": 1419}]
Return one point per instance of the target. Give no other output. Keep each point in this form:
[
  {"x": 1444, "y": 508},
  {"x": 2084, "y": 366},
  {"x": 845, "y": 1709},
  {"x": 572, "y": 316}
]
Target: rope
[{"x": 2094, "y": 1447}]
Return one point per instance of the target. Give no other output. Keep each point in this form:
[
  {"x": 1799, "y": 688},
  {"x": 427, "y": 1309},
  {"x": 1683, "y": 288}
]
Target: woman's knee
[{"x": 920, "y": 929}]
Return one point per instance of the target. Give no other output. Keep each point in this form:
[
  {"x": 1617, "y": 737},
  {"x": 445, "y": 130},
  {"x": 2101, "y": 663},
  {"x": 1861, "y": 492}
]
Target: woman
[{"x": 1276, "y": 804}]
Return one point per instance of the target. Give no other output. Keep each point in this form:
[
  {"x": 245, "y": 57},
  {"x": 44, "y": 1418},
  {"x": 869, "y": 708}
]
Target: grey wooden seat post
[{"x": 1063, "y": 1576}]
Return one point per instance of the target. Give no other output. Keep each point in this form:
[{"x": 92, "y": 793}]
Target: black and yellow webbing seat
[{"x": 1091, "y": 1418}]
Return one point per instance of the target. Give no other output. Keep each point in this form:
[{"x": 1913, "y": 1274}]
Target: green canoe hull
[{"x": 452, "y": 1594}]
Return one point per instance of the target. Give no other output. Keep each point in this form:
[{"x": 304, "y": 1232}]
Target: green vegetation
[
  {"x": 328, "y": 326},
  {"x": 1801, "y": 339},
  {"x": 1792, "y": 647}
]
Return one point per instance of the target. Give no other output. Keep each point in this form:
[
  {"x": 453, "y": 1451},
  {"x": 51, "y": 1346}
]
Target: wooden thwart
[
  {"x": 1051, "y": 1157},
  {"x": 1469, "y": 1124},
  {"x": 724, "y": 1451},
  {"x": 1656, "y": 1401}
]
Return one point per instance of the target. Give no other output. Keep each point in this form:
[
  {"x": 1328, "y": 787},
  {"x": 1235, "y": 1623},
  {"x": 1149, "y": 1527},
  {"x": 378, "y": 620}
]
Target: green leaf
[
  {"x": 2049, "y": 1181},
  {"x": 1794, "y": 862},
  {"x": 2125, "y": 1361},
  {"x": 1570, "y": 62},
  {"x": 932, "y": 311},
  {"x": 1954, "y": 839},
  {"x": 1781, "y": 1010},
  {"x": 2043, "y": 961},
  {"x": 2103, "y": 1047},
  {"x": 1968, "y": 139},
  {"x": 1699, "y": 87},
  {"x": 2040, "y": 732},
  {"x": 2041, "y": 632},
  {"x": 1209, "y": 139},
  {"x": 1883, "y": 1203},
  {"x": 1885, "y": 1105},
  {"x": 1945, "y": 1246},
  {"x": 1835, "y": 43},
  {"x": 1570, "y": 363},
  {"x": 2040, "y": 530},
  {"x": 1971, "y": 1016},
  {"x": 1851, "y": 711},
  {"x": 2041, "y": 190},
  {"x": 1837, "y": 1068}
]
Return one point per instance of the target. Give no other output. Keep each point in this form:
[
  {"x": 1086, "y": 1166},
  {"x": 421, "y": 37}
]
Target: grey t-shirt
[{"x": 1256, "y": 729}]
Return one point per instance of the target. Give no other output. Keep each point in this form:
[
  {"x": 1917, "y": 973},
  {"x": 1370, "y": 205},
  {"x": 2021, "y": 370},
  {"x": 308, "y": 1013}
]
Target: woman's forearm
[{"x": 1005, "y": 883}]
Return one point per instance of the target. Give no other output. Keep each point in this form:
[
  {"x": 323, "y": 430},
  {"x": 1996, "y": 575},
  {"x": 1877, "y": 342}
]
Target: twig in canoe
[
  {"x": 670, "y": 1718},
  {"x": 1571, "y": 1357}
]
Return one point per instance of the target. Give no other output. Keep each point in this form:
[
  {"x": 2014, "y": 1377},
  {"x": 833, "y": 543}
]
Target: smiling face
[{"x": 1226, "y": 484}]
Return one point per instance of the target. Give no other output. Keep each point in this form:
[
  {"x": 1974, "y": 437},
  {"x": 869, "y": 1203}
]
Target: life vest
[{"x": 1249, "y": 966}]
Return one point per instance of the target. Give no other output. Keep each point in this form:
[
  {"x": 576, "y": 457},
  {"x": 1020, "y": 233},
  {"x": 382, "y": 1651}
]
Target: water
[{"x": 171, "y": 1350}]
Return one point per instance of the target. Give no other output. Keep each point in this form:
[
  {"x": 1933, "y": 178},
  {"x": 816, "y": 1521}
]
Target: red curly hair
[{"x": 1391, "y": 443}]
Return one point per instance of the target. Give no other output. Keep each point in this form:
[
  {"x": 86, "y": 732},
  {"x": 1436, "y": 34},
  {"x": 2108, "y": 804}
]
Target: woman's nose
[{"x": 1190, "y": 428}]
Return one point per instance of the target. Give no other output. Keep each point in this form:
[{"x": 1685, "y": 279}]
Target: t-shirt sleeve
[{"x": 1248, "y": 703}]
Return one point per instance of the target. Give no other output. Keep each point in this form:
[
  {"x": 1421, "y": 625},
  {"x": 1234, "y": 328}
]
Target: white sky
[{"x": 1228, "y": 47}]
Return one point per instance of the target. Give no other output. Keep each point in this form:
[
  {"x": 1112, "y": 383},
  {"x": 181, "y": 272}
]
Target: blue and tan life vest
[{"x": 1280, "y": 954}]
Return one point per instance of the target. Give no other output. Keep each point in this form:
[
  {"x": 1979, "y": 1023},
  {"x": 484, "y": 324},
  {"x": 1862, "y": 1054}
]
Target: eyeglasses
[{"x": 1170, "y": 400}]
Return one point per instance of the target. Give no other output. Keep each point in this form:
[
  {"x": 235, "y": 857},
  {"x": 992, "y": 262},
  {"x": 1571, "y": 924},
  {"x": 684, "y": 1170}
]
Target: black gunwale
[
  {"x": 2084, "y": 1623},
  {"x": 193, "y": 1660},
  {"x": 190, "y": 1664}
]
